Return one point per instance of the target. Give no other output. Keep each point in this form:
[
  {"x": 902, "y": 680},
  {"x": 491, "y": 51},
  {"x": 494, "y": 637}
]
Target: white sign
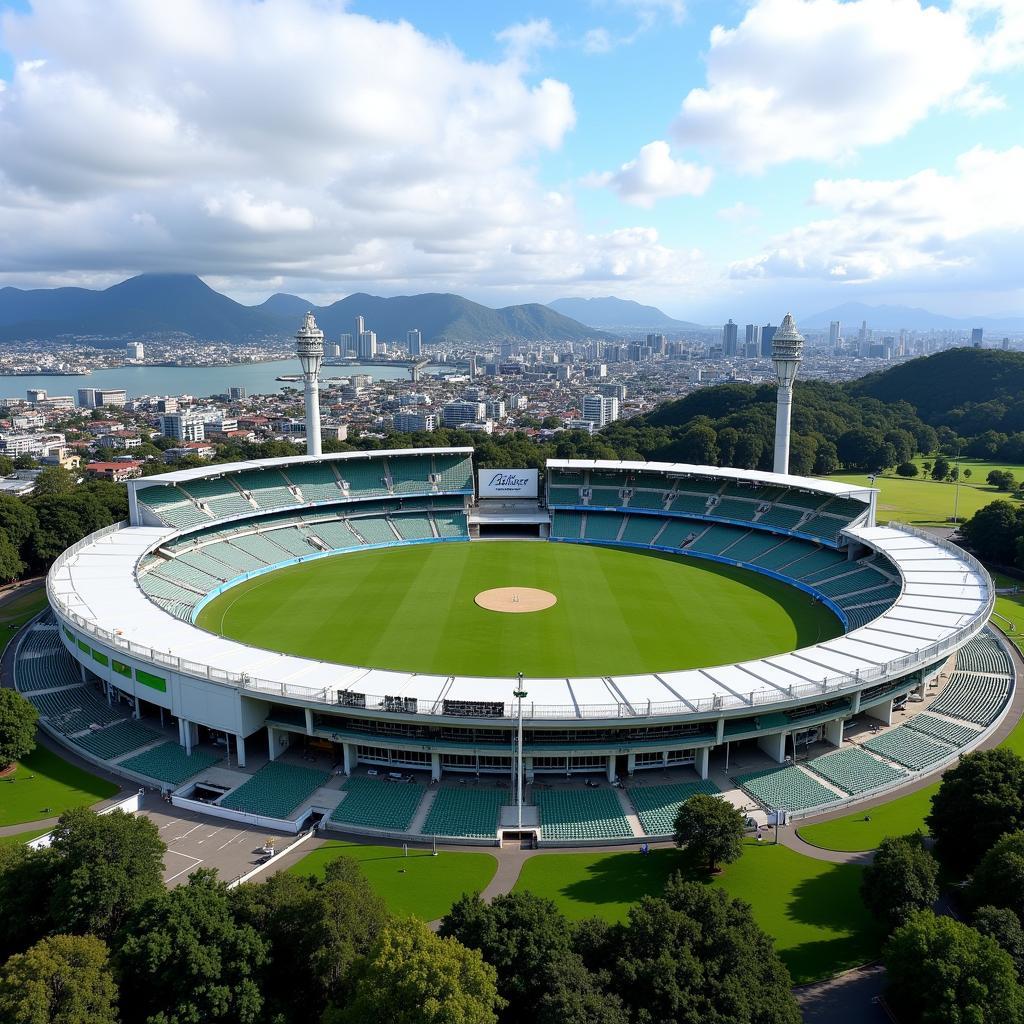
[{"x": 508, "y": 483}]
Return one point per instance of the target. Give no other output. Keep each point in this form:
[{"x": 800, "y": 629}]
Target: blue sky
[{"x": 715, "y": 158}]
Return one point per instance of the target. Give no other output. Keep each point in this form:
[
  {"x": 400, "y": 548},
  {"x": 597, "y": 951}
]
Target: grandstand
[
  {"x": 469, "y": 811},
  {"x": 972, "y": 697},
  {"x": 657, "y": 806},
  {"x": 382, "y": 805},
  {"x": 580, "y": 814},
  {"x": 984, "y": 653},
  {"x": 854, "y": 770},
  {"x": 941, "y": 728},
  {"x": 908, "y": 747},
  {"x": 116, "y": 740},
  {"x": 170, "y": 763},
  {"x": 788, "y": 789},
  {"x": 276, "y": 790}
]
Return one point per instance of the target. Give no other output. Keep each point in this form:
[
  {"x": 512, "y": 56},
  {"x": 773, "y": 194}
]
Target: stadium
[{"x": 394, "y": 643}]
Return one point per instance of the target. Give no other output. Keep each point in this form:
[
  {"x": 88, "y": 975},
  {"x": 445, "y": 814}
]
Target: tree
[
  {"x": 18, "y": 719},
  {"x": 698, "y": 955},
  {"x": 1003, "y": 925},
  {"x": 6, "y": 464},
  {"x": 942, "y": 971},
  {"x": 907, "y": 469},
  {"x": 11, "y": 565},
  {"x": 184, "y": 958},
  {"x": 26, "y": 875},
  {"x": 17, "y": 520},
  {"x": 993, "y": 531},
  {"x": 53, "y": 480},
  {"x": 999, "y": 877},
  {"x": 518, "y": 934},
  {"x": 978, "y": 800},
  {"x": 65, "y": 979},
  {"x": 574, "y": 995},
  {"x": 1001, "y": 479},
  {"x": 711, "y": 829},
  {"x": 967, "y": 473},
  {"x": 413, "y": 976},
  {"x": 106, "y": 866},
  {"x": 901, "y": 879},
  {"x": 940, "y": 469}
]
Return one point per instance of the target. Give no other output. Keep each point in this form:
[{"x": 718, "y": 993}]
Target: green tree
[
  {"x": 65, "y": 979},
  {"x": 901, "y": 879},
  {"x": 184, "y": 958},
  {"x": 1001, "y": 479},
  {"x": 575, "y": 995},
  {"x": 18, "y": 719},
  {"x": 993, "y": 531},
  {"x": 1003, "y": 925},
  {"x": 26, "y": 875},
  {"x": 54, "y": 480},
  {"x": 6, "y": 465},
  {"x": 518, "y": 934},
  {"x": 940, "y": 468},
  {"x": 698, "y": 955},
  {"x": 907, "y": 469},
  {"x": 979, "y": 799},
  {"x": 17, "y": 520},
  {"x": 999, "y": 877},
  {"x": 413, "y": 976},
  {"x": 11, "y": 565},
  {"x": 710, "y": 829},
  {"x": 107, "y": 865},
  {"x": 942, "y": 971}
]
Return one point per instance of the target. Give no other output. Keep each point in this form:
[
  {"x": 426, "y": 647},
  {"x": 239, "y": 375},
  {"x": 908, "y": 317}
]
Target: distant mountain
[
  {"x": 892, "y": 318},
  {"x": 165, "y": 303},
  {"x": 284, "y": 305},
  {"x": 622, "y": 314}
]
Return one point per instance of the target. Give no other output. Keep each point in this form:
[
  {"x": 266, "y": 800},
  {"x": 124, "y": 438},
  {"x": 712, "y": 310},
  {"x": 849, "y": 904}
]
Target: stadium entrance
[{"x": 508, "y": 506}]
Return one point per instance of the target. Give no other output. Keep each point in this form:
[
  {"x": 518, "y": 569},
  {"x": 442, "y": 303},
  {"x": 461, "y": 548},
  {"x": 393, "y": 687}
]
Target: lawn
[
  {"x": 23, "y": 837},
  {"x": 811, "y": 908},
  {"x": 16, "y": 612},
  {"x": 618, "y": 612},
  {"x": 419, "y": 884},
  {"x": 44, "y": 785}
]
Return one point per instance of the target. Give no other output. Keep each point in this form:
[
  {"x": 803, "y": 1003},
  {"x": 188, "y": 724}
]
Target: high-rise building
[
  {"x": 332, "y": 350},
  {"x": 95, "y": 398},
  {"x": 135, "y": 350},
  {"x": 414, "y": 342},
  {"x": 657, "y": 343},
  {"x": 730, "y": 338},
  {"x": 752, "y": 341},
  {"x": 1006, "y": 344},
  {"x": 236, "y": 394},
  {"x": 977, "y": 335},
  {"x": 347, "y": 348},
  {"x": 456, "y": 413},
  {"x": 414, "y": 422},
  {"x": 600, "y": 410},
  {"x": 863, "y": 339},
  {"x": 182, "y": 426},
  {"x": 367, "y": 345},
  {"x": 360, "y": 326},
  {"x": 767, "y": 334},
  {"x": 494, "y": 409},
  {"x": 835, "y": 335},
  {"x": 473, "y": 369}
]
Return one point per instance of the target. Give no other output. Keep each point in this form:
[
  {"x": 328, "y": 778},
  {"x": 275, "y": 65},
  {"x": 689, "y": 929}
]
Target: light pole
[
  {"x": 956, "y": 490},
  {"x": 519, "y": 693}
]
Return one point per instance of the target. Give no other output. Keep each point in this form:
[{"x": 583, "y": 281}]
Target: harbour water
[{"x": 200, "y": 381}]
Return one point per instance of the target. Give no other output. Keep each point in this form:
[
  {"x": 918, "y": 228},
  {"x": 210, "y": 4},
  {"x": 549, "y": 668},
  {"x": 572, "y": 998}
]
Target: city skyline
[{"x": 778, "y": 154}]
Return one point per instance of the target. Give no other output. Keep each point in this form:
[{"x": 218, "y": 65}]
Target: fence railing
[{"x": 386, "y": 705}]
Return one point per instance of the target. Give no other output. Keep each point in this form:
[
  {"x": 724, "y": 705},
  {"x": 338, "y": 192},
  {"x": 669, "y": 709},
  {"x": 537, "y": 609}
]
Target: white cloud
[
  {"x": 948, "y": 230},
  {"x": 598, "y": 40},
  {"x": 654, "y": 175},
  {"x": 738, "y": 213},
  {"x": 524, "y": 39},
  {"x": 820, "y": 79}
]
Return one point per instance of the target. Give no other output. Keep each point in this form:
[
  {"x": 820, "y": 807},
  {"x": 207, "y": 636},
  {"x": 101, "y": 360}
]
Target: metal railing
[{"x": 389, "y": 705}]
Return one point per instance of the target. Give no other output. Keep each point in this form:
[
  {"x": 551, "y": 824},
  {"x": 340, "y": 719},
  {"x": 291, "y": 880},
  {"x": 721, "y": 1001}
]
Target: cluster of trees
[
  {"x": 996, "y": 533},
  {"x": 942, "y": 968},
  {"x": 92, "y": 936}
]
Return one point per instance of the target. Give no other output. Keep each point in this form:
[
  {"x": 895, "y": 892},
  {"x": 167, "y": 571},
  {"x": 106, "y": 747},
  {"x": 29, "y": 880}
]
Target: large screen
[{"x": 508, "y": 483}]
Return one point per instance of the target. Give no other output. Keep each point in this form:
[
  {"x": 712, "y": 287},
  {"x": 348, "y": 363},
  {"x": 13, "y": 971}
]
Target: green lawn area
[
  {"x": 419, "y": 884},
  {"x": 924, "y": 502},
  {"x": 44, "y": 785},
  {"x": 22, "y": 837},
  {"x": 618, "y": 611},
  {"x": 811, "y": 908},
  {"x": 16, "y": 612}
]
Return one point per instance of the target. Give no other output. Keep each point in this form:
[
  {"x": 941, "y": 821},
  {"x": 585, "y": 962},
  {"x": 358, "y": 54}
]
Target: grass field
[
  {"x": 811, "y": 908},
  {"x": 618, "y": 611},
  {"x": 22, "y": 837},
  {"x": 44, "y": 785},
  {"x": 16, "y": 612},
  {"x": 419, "y": 884}
]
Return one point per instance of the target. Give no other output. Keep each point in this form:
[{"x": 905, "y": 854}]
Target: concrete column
[
  {"x": 703, "y": 755},
  {"x": 311, "y": 386},
  {"x": 774, "y": 745},
  {"x": 855, "y": 704},
  {"x": 186, "y": 730},
  {"x": 783, "y": 415},
  {"x": 81, "y": 672},
  {"x": 882, "y": 712},
  {"x": 272, "y": 742},
  {"x": 528, "y": 770},
  {"x": 834, "y": 732},
  {"x": 630, "y": 763},
  {"x": 137, "y": 713},
  {"x": 349, "y": 756},
  {"x": 610, "y": 768},
  {"x": 719, "y": 732},
  {"x": 240, "y": 749},
  {"x": 435, "y": 767},
  {"x": 309, "y": 721},
  {"x": 664, "y": 759}
]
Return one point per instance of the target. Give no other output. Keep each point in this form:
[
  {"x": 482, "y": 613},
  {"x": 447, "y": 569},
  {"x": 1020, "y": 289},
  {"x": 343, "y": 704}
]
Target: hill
[
  {"x": 623, "y": 314},
  {"x": 893, "y": 318},
  {"x": 152, "y": 304}
]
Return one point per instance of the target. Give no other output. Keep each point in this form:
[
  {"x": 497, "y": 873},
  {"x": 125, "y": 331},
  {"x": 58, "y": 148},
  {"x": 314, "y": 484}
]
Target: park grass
[
  {"x": 811, "y": 908},
  {"x": 23, "y": 837},
  {"x": 618, "y": 611},
  {"x": 17, "y": 611},
  {"x": 44, "y": 785},
  {"x": 420, "y": 884}
]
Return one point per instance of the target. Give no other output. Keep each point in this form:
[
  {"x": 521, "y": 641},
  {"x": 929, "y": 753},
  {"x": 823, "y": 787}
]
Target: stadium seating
[
  {"x": 715, "y": 539},
  {"x": 117, "y": 740},
  {"x": 826, "y": 527},
  {"x": 973, "y": 698},
  {"x": 785, "y": 788},
  {"x": 221, "y": 497},
  {"x": 234, "y": 557},
  {"x": 451, "y": 524},
  {"x": 657, "y": 806},
  {"x": 861, "y": 616},
  {"x": 641, "y": 529},
  {"x": 275, "y": 790},
  {"x": 753, "y": 544},
  {"x": 335, "y": 534},
  {"x": 201, "y": 560},
  {"x": 606, "y": 496},
  {"x": 566, "y": 524},
  {"x": 943, "y": 729},
  {"x": 581, "y": 814},
  {"x": 44, "y": 663},
  {"x": 602, "y": 526},
  {"x": 74, "y": 708},
  {"x": 563, "y": 496},
  {"x": 908, "y": 747},
  {"x": 291, "y": 540},
  {"x": 177, "y": 571},
  {"x": 648, "y": 499},
  {"x": 696, "y": 504},
  {"x": 173, "y": 506},
  {"x": 851, "y": 582},
  {"x": 412, "y": 527},
  {"x": 818, "y": 564},
  {"x": 454, "y": 472},
  {"x": 676, "y": 532},
  {"x": 735, "y": 508},
  {"x": 364, "y": 478},
  {"x": 169, "y": 763},
  {"x": 983, "y": 653},
  {"x": 268, "y": 488},
  {"x": 784, "y": 518},
  {"x": 374, "y": 530},
  {"x": 854, "y": 770},
  {"x": 315, "y": 481},
  {"x": 781, "y": 555},
  {"x": 470, "y": 811},
  {"x": 378, "y": 804},
  {"x": 410, "y": 474}
]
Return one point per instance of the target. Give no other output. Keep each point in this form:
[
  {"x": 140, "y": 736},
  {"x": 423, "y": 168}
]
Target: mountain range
[
  {"x": 611, "y": 313},
  {"x": 884, "y": 318},
  {"x": 152, "y": 304}
]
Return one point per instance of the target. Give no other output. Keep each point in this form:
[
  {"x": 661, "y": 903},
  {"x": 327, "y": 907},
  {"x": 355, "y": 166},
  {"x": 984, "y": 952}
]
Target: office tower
[
  {"x": 360, "y": 325},
  {"x": 414, "y": 342},
  {"x": 181, "y": 426},
  {"x": 835, "y": 335},
  {"x": 767, "y": 334},
  {"x": 730, "y": 337},
  {"x": 752, "y": 341},
  {"x": 976, "y": 337},
  {"x": 600, "y": 410},
  {"x": 367, "y": 345},
  {"x": 236, "y": 394},
  {"x": 135, "y": 350}
]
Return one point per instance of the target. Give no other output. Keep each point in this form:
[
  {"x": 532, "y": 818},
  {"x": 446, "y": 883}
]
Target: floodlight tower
[
  {"x": 787, "y": 352},
  {"x": 309, "y": 344}
]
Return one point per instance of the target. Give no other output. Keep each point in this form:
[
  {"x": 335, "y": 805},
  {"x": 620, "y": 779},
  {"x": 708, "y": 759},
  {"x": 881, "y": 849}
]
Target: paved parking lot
[{"x": 194, "y": 840}]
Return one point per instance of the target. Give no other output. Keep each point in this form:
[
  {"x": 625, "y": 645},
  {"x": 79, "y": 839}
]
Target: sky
[{"x": 716, "y": 158}]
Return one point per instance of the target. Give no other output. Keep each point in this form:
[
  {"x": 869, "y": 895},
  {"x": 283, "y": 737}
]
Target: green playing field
[{"x": 617, "y": 612}]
